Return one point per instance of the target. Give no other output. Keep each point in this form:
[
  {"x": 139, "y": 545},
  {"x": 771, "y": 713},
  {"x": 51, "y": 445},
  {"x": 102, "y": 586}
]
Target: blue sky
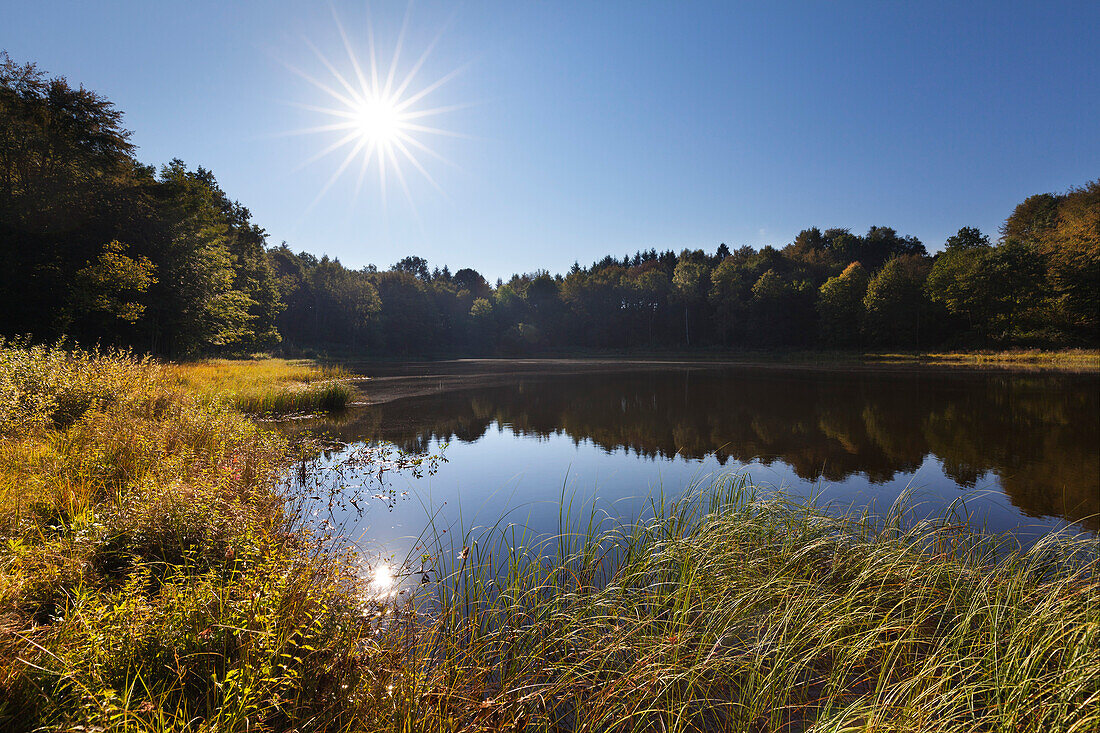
[{"x": 598, "y": 128}]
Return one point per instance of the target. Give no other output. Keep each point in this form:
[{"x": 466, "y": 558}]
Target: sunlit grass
[
  {"x": 267, "y": 386},
  {"x": 152, "y": 574},
  {"x": 736, "y": 612},
  {"x": 1063, "y": 358},
  {"x": 155, "y": 575}
]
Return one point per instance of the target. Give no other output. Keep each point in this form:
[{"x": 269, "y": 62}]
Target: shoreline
[
  {"x": 165, "y": 557},
  {"x": 385, "y": 381}
]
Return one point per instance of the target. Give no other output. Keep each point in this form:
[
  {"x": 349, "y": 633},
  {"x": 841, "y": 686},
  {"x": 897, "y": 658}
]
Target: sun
[
  {"x": 374, "y": 116},
  {"x": 378, "y": 121}
]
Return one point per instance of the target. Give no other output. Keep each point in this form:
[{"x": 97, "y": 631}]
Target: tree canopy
[{"x": 103, "y": 249}]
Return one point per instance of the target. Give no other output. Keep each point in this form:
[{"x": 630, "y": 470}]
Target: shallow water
[{"x": 518, "y": 438}]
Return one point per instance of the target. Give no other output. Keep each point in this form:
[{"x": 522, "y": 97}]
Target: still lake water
[{"x": 1023, "y": 447}]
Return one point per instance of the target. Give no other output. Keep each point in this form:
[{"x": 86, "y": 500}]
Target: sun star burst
[{"x": 375, "y": 118}]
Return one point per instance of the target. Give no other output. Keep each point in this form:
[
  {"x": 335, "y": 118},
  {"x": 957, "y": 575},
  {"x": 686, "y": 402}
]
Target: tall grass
[
  {"x": 267, "y": 386},
  {"x": 1071, "y": 359},
  {"x": 733, "y": 612},
  {"x": 154, "y": 576},
  {"x": 151, "y": 576}
]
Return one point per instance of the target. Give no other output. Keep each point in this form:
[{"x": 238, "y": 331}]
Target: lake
[{"x": 519, "y": 437}]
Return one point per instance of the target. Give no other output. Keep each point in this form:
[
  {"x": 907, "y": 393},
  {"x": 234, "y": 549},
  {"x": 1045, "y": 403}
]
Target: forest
[{"x": 103, "y": 249}]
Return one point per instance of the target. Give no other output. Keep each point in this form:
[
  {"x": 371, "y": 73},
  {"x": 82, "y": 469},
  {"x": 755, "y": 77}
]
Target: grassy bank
[
  {"x": 1055, "y": 359},
  {"x": 266, "y": 386},
  {"x": 152, "y": 574},
  {"x": 1076, "y": 360},
  {"x": 1073, "y": 359},
  {"x": 155, "y": 575}
]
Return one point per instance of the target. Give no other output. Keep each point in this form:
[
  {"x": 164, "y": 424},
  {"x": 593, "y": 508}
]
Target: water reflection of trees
[{"x": 1040, "y": 434}]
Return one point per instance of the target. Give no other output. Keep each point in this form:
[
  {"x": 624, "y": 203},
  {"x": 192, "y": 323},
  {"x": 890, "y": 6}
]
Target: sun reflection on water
[{"x": 383, "y": 582}]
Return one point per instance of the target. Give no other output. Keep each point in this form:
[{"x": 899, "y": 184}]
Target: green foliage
[
  {"x": 998, "y": 290},
  {"x": 196, "y": 305},
  {"x": 1073, "y": 251},
  {"x": 727, "y": 296},
  {"x": 63, "y": 152},
  {"x": 953, "y": 280},
  {"x": 415, "y": 266},
  {"x": 111, "y": 285},
  {"x": 408, "y": 321},
  {"x": 973, "y": 293},
  {"x": 481, "y": 308},
  {"x": 690, "y": 280},
  {"x": 895, "y": 302},
  {"x": 781, "y": 310},
  {"x": 690, "y": 277},
  {"x": 967, "y": 238},
  {"x": 254, "y": 275},
  {"x": 472, "y": 282},
  {"x": 192, "y": 275},
  {"x": 1033, "y": 218},
  {"x": 1042, "y": 277},
  {"x": 840, "y": 306},
  {"x": 101, "y": 249}
]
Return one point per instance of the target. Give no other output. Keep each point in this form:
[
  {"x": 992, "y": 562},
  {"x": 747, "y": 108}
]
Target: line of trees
[{"x": 101, "y": 248}]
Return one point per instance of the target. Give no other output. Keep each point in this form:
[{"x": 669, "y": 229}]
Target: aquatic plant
[{"x": 736, "y": 611}]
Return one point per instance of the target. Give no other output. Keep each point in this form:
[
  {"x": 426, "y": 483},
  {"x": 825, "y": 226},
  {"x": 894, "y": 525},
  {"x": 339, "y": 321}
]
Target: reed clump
[
  {"x": 267, "y": 386},
  {"x": 733, "y": 612}
]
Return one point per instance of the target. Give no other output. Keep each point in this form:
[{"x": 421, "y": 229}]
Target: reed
[
  {"x": 267, "y": 386},
  {"x": 733, "y": 611}
]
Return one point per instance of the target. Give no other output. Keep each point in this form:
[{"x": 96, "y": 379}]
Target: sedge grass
[
  {"x": 267, "y": 386},
  {"x": 1067, "y": 359},
  {"x": 730, "y": 611}
]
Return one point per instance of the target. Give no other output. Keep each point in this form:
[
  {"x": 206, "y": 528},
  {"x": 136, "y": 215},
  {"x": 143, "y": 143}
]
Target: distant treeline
[{"x": 103, "y": 249}]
